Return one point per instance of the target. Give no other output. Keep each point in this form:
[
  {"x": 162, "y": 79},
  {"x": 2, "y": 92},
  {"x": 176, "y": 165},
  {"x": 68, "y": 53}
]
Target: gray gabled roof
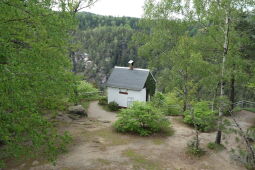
[{"x": 123, "y": 77}]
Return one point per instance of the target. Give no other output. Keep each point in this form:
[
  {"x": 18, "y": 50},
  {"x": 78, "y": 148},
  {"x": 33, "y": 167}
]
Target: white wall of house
[{"x": 124, "y": 100}]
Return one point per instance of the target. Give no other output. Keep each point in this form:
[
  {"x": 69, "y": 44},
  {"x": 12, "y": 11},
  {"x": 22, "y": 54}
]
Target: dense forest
[
  {"x": 105, "y": 41},
  {"x": 90, "y": 21},
  {"x": 200, "y": 52},
  {"x": 190, "y": 60},
  {"x": 209, "y": 55}
]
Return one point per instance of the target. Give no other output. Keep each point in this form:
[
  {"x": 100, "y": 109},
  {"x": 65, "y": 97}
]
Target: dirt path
[
  {"x": 96, "y": 111},
  {"x": 97, "y": 147},
  {"x": 245, "y": 118}
]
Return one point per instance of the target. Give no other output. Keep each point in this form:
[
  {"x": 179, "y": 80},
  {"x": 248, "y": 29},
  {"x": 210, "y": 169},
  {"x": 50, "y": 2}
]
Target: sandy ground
[
  {"x": 96, "y": 111},
  {"x": 97, "y": 147}
]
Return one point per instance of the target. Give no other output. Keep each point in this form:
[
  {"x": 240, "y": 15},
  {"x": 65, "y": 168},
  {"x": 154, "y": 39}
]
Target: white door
[{"x": 130, "y": 101}]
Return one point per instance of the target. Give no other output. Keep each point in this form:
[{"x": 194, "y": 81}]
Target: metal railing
[{"x": 244, "y": 104}]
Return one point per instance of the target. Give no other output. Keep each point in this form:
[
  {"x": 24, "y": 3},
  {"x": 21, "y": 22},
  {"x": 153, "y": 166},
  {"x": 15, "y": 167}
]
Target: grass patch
[
  {"x": 250, "y": 109},
  {"x": 111, "y": 107},
  {"x": 111, "y": 137},
  {"x": 169, "y": 131},
  {"x": 106, "y": 108},
  {"x": 103, "y": 161},
  {"x": 193, "y": 150},
  {"x": 140, "y": 161},
  {"x": 158, "y": 141},
  {"x": 216, "y": 147}
]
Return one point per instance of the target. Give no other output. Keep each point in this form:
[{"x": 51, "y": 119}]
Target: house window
[{"x": 123, "y": 91}]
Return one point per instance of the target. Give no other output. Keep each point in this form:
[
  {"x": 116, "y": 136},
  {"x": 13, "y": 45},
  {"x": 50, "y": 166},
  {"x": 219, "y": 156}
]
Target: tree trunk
[
  {"x": 184, "y": 104},
  {"x": 218, "y": 137},
  {"x": 197, "y": 139},
  {"x": 185, "y": 91},
  {"x": 232, "y": 92},
  {"x": 214, "y": 97},
  {"x": 72, "y": 56},
  {"x": 196, "y": 128},
  {"x": 222, "y": 84}
]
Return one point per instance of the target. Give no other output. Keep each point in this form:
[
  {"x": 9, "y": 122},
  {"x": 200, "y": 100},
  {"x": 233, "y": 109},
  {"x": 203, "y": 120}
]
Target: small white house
[{"x": 128, "y": 84}]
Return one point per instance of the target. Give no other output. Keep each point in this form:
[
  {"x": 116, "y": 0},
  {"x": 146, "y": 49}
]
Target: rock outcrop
[{"x": 77, "y": 110}]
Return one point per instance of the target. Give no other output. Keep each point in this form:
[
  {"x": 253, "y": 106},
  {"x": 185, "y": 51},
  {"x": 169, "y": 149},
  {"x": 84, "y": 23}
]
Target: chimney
[{"x": 131, "y": 65}]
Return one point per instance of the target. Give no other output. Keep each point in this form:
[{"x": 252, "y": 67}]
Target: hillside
[
  {"x": 105, "y": 41},
  {"x": 89, "y": 20},
  {"x": 56, "y": 114}
]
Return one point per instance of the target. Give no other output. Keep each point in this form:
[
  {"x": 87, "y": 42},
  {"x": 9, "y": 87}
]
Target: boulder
[
  {"x": 63, "y": 118},
  {"x": 74, "y": 116},
  {"x": 78, "y": 110}
]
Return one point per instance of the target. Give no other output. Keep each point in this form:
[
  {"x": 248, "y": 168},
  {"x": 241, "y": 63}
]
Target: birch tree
[
  {"x": 217, "y": 21},
  {"x": 220, "y": 19}
]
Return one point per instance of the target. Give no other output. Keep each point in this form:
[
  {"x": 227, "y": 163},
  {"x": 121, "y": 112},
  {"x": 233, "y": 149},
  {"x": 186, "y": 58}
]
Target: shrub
[
  {"x": 169, "y": 104},
  {"x": 113, "y": 106},
  {"x": 103, "y": 100},
  {"x": 223, "y": 103},
  {"x": 158, "y": 100},
  {"x": 141, "y": 118},
  {"x": 172, "y": 105},
  {"x": 193, "y": 149},
  {"x": 251, "y": 134},
  {"x": 204, "y": 118},
  {"x": 245, "y": 157},
  {"x": 215, "y": 146},
  {"x": 86, "y": 90}
]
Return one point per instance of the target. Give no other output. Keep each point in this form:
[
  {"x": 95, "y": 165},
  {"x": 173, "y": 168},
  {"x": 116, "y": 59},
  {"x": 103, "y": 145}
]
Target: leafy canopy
[
  {"x": 34, "y": 76},
  {"x": 203, "y": 117}
]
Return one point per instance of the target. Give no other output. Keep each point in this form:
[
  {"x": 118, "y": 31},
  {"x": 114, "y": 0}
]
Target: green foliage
[
  {"x": 250, "y": 109},
  {"x": 140, "y": 161},
  {"x": 169, "y": 104},
  {"x": 103, "y": 100},
  {"x": 224, "y": 104},
  {"x": 91, "y": 21},
  {"x": 103, "y": 42},
  {"x": 244, "y": 157},
  {"x": 142, "y": 119},
  {"x": 108, "y": 47},
  {"x": 113, "y": 106},
  {"x": 87, "y": 91},
  {"x": 238, "y": 109},
  {"x": 215, "y": 146},
  {"x": 193, "y": 149},
  {"x": 204, "y": 118},
  {"x": 158, "y": 100},
  {"x": 34, "y": 137},
  {"x": 251, "y": 134},
  {"x": 34, "y": 77},
  {"x": 85, "y": 104},
  {"x": 190, "y": 60},
  {"x": 172, "y": 105}
]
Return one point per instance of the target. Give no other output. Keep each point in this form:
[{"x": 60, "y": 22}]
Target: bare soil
[{"x": 97, "y": 146}]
